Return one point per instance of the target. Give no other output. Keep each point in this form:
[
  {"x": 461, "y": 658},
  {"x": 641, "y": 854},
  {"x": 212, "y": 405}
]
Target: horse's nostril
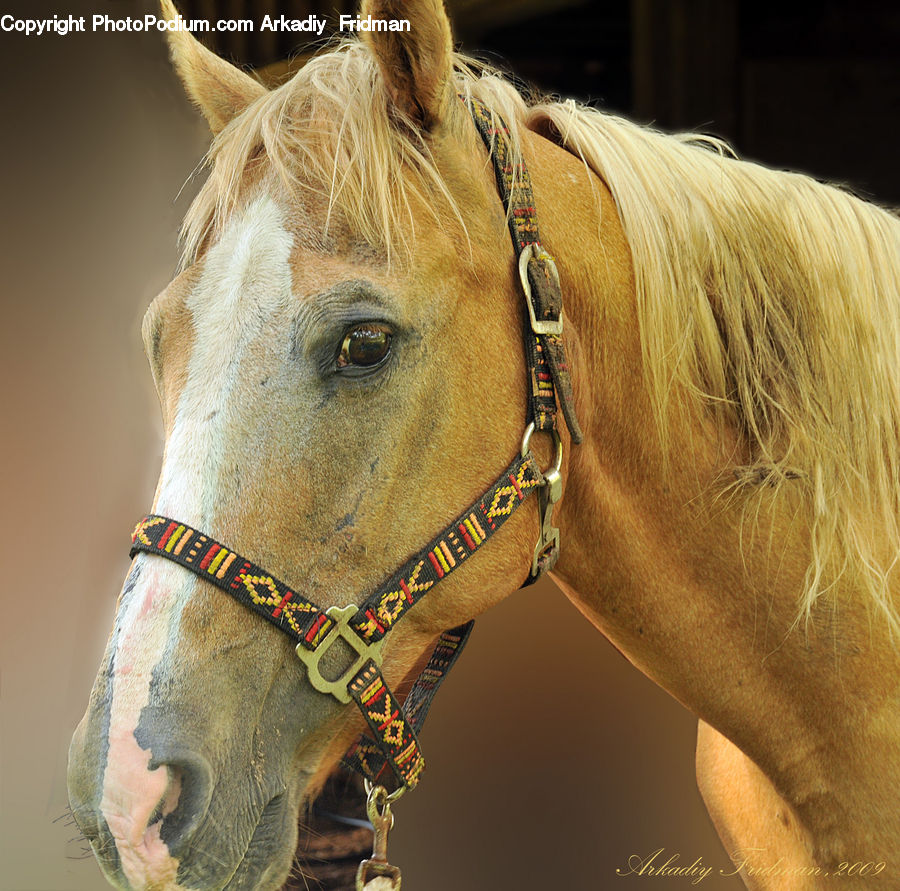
[
  {"x": 169, "y": 802},
  {"x": 181, "y": 809}
]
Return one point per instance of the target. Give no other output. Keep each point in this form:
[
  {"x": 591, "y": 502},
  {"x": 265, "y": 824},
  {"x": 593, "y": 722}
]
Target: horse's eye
[{"x": 365, "y": 346}]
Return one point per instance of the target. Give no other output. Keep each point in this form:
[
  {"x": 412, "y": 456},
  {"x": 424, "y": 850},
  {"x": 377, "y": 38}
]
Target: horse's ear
[
  {"x": 220, "y": 90},
  {"x": 416, "y": 65}
]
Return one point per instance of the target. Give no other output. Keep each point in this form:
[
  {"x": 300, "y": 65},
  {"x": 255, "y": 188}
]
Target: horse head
[{"x": 339, "y": 367}]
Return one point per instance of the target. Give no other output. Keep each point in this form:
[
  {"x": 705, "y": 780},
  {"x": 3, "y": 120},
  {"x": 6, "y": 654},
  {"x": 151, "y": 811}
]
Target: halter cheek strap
[
  {"x": 392, "y": 740},
  {"x": 545, "y": 353}
]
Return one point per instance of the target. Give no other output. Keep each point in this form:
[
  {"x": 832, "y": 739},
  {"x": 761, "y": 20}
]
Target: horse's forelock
[{"x": 330, "y": 138}]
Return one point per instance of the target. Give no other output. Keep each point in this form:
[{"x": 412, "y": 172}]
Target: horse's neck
[{"x": 695, "y": 590}]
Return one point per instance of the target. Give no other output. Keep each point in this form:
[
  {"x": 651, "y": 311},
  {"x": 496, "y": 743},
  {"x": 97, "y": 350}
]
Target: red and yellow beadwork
[{"x": 442, "y": 555}]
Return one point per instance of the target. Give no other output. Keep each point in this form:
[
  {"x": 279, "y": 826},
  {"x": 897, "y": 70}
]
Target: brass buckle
[
  {"x": 548, "y": 494},
  {"x": 341, "y": 616},
  {"x": 538, "y": 326}
]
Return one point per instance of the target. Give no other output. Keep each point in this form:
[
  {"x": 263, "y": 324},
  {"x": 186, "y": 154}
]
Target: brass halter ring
[{"x": 526, "y": 444}]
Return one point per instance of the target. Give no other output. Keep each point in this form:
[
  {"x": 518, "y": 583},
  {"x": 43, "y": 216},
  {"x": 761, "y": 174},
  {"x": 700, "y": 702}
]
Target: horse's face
[{"x": 325, "y": 414}]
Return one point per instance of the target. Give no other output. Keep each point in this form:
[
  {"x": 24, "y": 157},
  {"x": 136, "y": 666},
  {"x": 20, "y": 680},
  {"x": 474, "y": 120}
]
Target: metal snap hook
[
  {"x": 546, "y": 551},
  {"x": 378, "y": 809}
]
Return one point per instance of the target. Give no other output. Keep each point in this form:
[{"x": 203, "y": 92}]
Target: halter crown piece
[{"x": 392, "y": 741}]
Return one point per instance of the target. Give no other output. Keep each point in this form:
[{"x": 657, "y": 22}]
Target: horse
[{"x": 340, "y": 372}]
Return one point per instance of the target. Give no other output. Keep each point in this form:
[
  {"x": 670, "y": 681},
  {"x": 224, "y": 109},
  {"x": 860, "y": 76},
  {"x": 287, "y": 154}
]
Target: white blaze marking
[{"x": 246, "y": 277}]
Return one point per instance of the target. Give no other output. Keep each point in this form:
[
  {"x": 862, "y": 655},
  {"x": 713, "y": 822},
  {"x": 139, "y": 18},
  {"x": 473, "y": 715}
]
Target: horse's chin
[{"x": 270, "y": 853}]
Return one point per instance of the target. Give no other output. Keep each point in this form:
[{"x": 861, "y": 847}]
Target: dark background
[
  {"x": 810, "y": 84},
  {"x": 550, "y": 763}
]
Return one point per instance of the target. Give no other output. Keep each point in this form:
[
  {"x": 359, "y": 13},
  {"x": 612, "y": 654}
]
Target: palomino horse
[{"x": 340, "y": 372}]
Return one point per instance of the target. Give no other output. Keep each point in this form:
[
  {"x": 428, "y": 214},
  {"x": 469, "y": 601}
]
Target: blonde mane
[{"x": 767, "y": 299}]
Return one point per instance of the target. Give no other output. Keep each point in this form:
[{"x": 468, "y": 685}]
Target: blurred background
[{"x": 99, "y": 146}]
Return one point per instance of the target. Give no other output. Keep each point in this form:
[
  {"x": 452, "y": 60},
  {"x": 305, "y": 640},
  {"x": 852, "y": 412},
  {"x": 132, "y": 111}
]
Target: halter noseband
[{"x": 393, "y": 740}]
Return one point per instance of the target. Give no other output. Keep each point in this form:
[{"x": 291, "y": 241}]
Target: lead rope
[{"x": 392, "y": 742}]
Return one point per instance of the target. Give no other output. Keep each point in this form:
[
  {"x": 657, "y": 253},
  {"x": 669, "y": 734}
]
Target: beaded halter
[{"x": 392, "y": 741}]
